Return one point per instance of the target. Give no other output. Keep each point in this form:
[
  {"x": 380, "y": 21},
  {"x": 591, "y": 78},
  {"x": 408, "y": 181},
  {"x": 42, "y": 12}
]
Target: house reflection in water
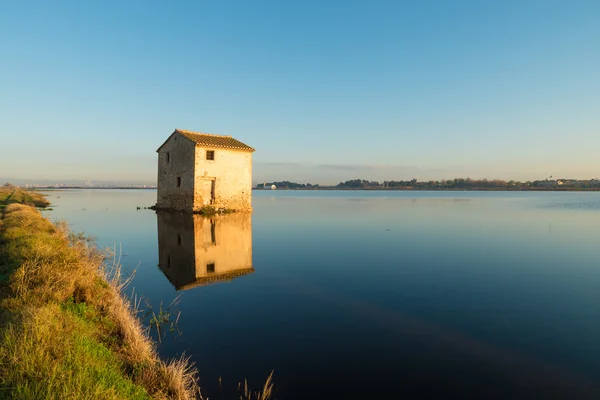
[{"x": 194, "y": 250}]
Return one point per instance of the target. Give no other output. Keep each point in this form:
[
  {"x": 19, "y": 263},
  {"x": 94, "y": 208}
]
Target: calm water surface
[{"x": 385, "y": 294}]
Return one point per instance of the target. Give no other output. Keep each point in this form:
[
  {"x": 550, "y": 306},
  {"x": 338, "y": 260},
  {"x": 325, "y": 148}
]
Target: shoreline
[
  {"x": 435, "y": 189},
  {"x": 329, "y": 188}
]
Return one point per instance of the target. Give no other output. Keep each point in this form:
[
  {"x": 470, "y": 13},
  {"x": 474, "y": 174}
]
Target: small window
[
  {"x": 168, "y": 158},
  {"x": 179, "y": 240},
  {"x": 210, "y": 268},
  {"x": 210, "y": 154},
  {"x": 178, "y": 181}
]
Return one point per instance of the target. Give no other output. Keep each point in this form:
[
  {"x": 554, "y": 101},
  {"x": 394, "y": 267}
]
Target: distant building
[
  {"x": 196, "y": 251},
  {"x": 199, "y": 169}
]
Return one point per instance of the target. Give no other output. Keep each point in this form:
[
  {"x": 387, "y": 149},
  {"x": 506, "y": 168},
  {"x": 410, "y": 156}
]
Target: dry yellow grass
[
  {"x": 64, "y": 320},
  {"x": 13, "y": 194}
]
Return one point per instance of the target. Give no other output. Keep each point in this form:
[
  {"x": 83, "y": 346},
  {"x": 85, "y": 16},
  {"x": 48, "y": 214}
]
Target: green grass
[
  {"x": 210, "y": 210},
  {"x": 57, "y": 355}
]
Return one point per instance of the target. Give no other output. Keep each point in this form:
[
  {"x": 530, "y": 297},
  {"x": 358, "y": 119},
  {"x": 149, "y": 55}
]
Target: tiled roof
[{"x": 216, "y": 141}]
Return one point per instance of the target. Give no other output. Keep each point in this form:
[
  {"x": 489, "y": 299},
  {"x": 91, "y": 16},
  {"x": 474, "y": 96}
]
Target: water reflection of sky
[{"x": 437, "y": 292}]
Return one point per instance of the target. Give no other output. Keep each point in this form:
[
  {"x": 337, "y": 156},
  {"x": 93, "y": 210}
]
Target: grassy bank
[
  {"x": 66, "y": 331},
  {"x": 12, "y": 195}
]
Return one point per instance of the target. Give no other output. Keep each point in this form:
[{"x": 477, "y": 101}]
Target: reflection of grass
[
  {"x": 164, "y": 320},
  {"x": 264, "y": 394}
]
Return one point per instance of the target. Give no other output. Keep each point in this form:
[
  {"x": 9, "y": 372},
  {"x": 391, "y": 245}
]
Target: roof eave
[
  {"x": 170, "y": 136},
  {"x": 210, "y": 146}
]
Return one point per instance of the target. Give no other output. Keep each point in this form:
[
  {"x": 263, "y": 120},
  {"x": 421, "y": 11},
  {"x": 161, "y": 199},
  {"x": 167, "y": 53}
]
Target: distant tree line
[
  {"x": 287, "y": 185},
  {"x": 447, "y": 184},
  {"x": 468, "y": 183},
  {"x": 358, "y": 183}
]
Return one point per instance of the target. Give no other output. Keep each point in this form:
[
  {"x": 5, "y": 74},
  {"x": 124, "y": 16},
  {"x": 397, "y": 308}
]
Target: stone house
[
  {"x": 196, "y": 251},
  {"x": 199, "y": 169}
]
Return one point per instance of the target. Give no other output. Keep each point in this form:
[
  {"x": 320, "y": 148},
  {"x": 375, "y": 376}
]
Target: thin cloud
[
  {"x": 373, "y": 167},
  {"x": 280, "y": 164}
]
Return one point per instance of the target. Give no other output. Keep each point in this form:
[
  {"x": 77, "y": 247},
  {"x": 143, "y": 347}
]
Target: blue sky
[{"x": 325, "y": 91}]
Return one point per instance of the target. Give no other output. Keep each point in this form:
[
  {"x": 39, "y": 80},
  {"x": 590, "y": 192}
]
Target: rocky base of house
[
  {"x": 210, "y": 210},
  {"x": 205, "y": 210}
]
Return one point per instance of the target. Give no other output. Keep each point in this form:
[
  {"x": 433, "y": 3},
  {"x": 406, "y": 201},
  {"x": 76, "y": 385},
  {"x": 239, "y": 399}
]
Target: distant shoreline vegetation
[
  {"x": 449, "y": 184},
  {"x": 414, "y": 184}
]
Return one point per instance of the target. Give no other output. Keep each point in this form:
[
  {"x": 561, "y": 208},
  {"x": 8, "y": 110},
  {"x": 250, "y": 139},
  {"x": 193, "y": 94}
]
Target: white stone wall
[{"x": 232, "y": 171}]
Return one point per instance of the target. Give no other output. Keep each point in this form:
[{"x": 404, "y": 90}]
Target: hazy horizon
[
  {"x": 324, "y": 91},
  {"x": 329, "y": 175}
]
